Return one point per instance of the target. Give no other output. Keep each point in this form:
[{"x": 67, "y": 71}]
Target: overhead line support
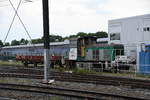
[{"x": 46, "y": 39}]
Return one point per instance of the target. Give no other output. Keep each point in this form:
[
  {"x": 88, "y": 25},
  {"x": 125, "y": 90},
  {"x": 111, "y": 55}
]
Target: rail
[
  {"x": 66, "y": 92},
  {"x": 83, "y": 78}
]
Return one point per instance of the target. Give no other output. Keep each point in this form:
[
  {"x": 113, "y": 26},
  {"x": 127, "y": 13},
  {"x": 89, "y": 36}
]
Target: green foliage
[
  {"x": 23, "y": 41},
  {"x": 91, "y": 34},
  {"x": 81, "y": 34},
  {"x": 61, "y": 69},
  {"x": 55, "y": 38},
  {"x": 10, "y": 63},
  {"x": 36, "y": 41},
  {"x": 7, "y": 44},
  {"x": 143, "y": 75},
  {"x": 83, "y": 71},
  {"x": 71, "y": 36},
  {"x": 101, "y": 34},
  {"x": 1, "y": 43},
  {"x": 15, "y": 42}
]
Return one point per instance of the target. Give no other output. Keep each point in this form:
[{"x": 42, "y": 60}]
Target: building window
[
  {"x": 144, "y": 29},
  {"x": 115, "y": 36},
  {"x": 148, "y": 28}
]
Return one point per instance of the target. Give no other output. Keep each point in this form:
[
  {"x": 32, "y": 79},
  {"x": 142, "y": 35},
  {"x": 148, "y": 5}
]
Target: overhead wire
[
  {"x": 20, "y": 20},
  {"x": 20, "y": 2},
  {"x": 16, "y": 14},
  {"x": 8, "y": 4},
  {"x": 12, "y": 21},
  {"x": 23, "y": 2}
]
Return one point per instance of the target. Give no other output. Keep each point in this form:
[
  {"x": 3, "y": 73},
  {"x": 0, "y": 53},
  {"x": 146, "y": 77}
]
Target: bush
[{"x": 83, "y": 71}]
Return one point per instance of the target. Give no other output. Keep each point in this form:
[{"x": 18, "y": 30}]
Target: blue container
[
  {"x": 142, "y": 62},
  {"x": 144, "y": 67}
]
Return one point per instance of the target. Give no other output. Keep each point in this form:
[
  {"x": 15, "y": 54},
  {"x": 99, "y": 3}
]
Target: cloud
[
  {"x": 126, "y": 8},
  {"x": 30, "y": 13},
  {"x": 71, "y": 16},
  {"x": 76, "y": 15}
]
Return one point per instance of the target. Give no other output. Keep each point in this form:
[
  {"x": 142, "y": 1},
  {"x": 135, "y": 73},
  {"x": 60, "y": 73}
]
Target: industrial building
[{"x": 131, "y": 32}]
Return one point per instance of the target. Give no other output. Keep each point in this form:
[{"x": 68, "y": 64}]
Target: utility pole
[{"x": 46, "y": 39}]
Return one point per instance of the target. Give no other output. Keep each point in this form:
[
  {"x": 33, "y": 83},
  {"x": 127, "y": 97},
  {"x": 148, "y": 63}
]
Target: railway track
[
  {"x": 104, "y": 80},
  {"x": 77, "y": 93},
  {"x": 83, "y": 78}
]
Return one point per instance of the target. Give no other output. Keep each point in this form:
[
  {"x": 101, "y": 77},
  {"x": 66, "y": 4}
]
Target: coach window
[
  {"x": 146, "y": 29},
  {"x": 115, "y": 36}
]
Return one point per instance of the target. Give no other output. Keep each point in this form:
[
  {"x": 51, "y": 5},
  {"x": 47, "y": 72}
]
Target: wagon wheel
[
  {"x": 25, "y": 64},
  {"x": 35, "y": 64}
]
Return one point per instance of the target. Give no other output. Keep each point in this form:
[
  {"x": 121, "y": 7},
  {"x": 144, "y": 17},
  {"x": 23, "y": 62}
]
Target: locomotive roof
[
  {"x": 92, "y": 37},
  {"x": 104, "y": 45},
  {"x": 66, "y": 42}
]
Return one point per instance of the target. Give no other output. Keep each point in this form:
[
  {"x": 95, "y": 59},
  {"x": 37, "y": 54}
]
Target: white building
[{"x": 131, "y": 32}]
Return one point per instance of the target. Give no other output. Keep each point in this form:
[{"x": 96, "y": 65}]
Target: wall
[{"x": 133, "y": 31}]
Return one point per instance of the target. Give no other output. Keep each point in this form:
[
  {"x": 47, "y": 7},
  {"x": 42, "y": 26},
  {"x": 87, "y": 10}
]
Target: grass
[
  {"x": 126, "y": 74},
  {"x": 83, "y": 71},
  {"x": 10, "y": 63},
  {"x": 143, "y": 75}
]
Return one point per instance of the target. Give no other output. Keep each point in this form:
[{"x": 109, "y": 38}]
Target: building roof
[
  {"x": 102, "y": 39},
  {"x": 66, "y": 42},
  {"x": 138, "y": 16}
]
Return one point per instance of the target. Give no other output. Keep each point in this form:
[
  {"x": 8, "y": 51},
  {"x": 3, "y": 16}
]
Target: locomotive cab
[{"x": 82, "y": 44}]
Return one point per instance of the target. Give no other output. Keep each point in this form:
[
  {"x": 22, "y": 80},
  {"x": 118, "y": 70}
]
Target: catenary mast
[{"x": 46, "y": 39}]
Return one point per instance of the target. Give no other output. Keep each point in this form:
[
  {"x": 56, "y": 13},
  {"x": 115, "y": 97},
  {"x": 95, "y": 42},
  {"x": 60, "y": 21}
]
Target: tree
[
  {"x": 58, "y": 38},
  {"x": 71, "y": 36},
  {"x": 7, "y": 44},
  {"x": 101, "y": 34},
  {"x": 81, "y": 34},
  {"x": 15, "y": 42},
  {"x": 91, "y": 34},
  {"x": 23, "y": 41},
  {"x": 55, "y": 38},
  {"x": 36, "y": 41},
  {"x": 1, "y": 44}
]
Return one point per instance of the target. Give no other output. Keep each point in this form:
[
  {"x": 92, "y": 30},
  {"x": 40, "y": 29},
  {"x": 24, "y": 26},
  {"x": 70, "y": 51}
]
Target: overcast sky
[{"x": 68, "y": 16}]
